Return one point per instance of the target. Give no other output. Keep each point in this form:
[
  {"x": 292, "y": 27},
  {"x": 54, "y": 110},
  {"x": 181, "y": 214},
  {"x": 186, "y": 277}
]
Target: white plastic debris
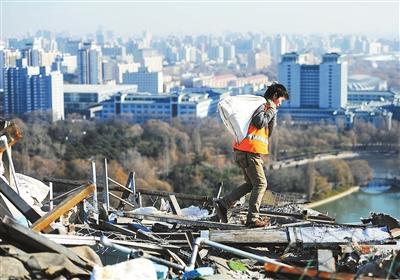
[
  {"x": 138, "y": 269},
  {"x": 194, "y": 212},
  {"x": 33, "y": 187},
  {"x": 145, "y": 210},
  {"x": 31, "y": 190}
]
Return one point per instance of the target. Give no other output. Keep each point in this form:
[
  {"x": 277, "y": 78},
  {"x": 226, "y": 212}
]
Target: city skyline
[{"x": 127, "y": 18}]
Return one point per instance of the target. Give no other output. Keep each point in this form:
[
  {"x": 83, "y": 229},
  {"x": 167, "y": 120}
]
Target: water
[
  {"x": 350, "y": 208},
  {"x": 360, "y": 204}
]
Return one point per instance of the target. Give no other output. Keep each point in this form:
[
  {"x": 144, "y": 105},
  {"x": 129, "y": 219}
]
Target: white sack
[
  {"x": 138, "y": 269},
  {"x": 236, "y": 113}
]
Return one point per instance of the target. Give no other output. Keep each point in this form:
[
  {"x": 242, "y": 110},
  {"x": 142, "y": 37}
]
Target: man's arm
[
  {"x": 263, "y": 116},
  {"x": 271, "y": 126}
]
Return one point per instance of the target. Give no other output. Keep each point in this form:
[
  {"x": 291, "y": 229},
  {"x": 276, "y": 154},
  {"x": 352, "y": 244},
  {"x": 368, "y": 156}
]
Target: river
[{"x": 359, "y": 204}]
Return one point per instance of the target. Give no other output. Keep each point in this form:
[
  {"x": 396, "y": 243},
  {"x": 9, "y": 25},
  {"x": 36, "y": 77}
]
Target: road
[{"x": 321, "y": 157}]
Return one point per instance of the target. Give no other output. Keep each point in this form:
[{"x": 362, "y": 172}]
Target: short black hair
[{"x": 276, "y": 90}]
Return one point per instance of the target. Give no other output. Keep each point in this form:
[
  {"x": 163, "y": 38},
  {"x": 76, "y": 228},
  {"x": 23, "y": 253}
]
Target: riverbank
[{"x": 332, "y": 198}]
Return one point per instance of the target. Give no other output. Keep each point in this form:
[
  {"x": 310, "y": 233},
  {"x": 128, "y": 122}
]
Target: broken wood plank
[
  {"x": 63, "y": 207},
  {"x": 173, "y": 219},
  {"x": 18, "y": 202},
  {"x": 249, "y": 236},
  {"x": 333, "y": 235},
  {"x": 32, "y": 242},
  {"x": 176, "y": 209}
]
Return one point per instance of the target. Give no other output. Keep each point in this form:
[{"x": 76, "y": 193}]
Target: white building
[
  {"x": 333, "y": 82},
  {"x": 141, "y": 107},
  {"x": 146, "y": 81},
  {"x": 123, "y": 68},
  {"x": 321, "y": 86},
  {"x": 78, "y": 98}
]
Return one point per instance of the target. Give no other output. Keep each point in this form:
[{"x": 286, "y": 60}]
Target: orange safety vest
[{"x": 256, "y": 141}]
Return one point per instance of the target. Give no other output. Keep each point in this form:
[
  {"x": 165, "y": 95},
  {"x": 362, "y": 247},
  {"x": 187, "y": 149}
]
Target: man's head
[{"x": 277, "y": 93}]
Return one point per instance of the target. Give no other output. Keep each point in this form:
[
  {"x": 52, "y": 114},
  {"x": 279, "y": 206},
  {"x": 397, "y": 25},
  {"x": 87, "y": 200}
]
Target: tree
[{"x": 311, "y": 176}]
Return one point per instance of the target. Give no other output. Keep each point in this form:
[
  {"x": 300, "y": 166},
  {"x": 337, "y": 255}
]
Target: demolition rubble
[{"x": 116, "y": 230}]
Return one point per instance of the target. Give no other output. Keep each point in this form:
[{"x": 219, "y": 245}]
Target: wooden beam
[
  {"x": 249, "y": 236},
  {"x": 173, "y": 219},
  {"x": 63, "y": 207},
  {"x": 18, "y": 202},
  {"x": 176, "y": 209}
]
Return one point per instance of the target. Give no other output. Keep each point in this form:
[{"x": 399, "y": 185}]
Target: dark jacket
[{"x": 265, "y": 118}]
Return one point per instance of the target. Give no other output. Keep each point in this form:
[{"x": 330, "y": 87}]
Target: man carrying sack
[{"x": 247, "y": 154}]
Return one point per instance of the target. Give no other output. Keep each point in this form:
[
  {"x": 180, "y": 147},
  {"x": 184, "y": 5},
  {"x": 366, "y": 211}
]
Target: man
[{"x": 247, "y": 155}]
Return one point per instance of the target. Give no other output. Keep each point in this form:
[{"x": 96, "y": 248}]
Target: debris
[
  {"x": 145, "y": 234},
  {"x": 237, "y": 266},
  {"x": 140, "y": 269},
  {"x": 63, "y": 207}
]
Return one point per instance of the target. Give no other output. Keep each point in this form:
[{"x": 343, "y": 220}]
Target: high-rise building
[
  {"x": 28, "y": 89},
  {"x": 2, "y": 65},
  {"x": 216, "y": 53},
  {"x": 258, "y": 60},
  {"x": 146, "y": 81},
  {"x": 33, "y": 54},
  {"x": 229, "y": 52},
  {"x": 89, "y": 64},
  {"x": 333, "y": 82},
  {"x": 322, "y": 86},
  {"x": 280, "y": 46},
  {"x": 126, "y": 68},
  {"x": 73, "y": 46}
]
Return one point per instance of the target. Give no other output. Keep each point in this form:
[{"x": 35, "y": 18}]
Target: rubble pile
[{"x": 117, "y": 231}]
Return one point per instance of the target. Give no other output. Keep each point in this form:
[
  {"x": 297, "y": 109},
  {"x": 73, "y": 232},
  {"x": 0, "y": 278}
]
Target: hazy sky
[{"x": 376, "y": 18}]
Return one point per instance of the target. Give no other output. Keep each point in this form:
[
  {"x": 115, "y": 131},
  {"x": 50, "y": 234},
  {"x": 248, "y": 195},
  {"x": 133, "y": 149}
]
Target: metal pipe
[
  {"x": 95, "y": 203},
  {"x": 51, "y": 196},
  {"x": 202, "y": 240},
  {"x": 197, "y": 243},
  {"x": 123, "y": 200},
  {"x": 131, "y": 252},
  {"x": 139, "y": 253},
  {"x": 118, "y": 184},
  {"x": 106, "y": 191}
]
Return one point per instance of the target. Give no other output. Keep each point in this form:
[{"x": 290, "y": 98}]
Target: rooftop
[{"x": 72, "y": 88}]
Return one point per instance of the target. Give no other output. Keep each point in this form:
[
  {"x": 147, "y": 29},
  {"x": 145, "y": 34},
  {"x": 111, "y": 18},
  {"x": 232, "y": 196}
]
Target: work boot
[
  {"x": 222, "y": 211},
  {"x": 259, "y": 223}
]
